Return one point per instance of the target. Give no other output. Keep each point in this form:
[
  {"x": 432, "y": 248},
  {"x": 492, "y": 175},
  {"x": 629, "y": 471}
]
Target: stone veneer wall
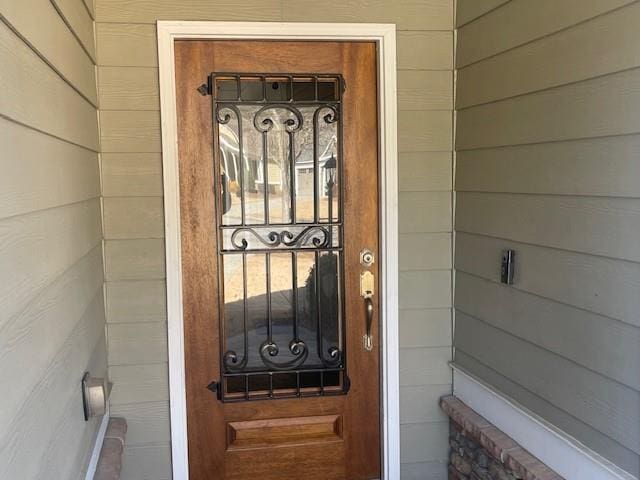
[
  {"x": 479, "y": 451},
  {"x": 468, "y": 460}
]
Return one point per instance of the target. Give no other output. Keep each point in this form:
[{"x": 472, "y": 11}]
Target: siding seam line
[
  {"x": 52, "y": 207},
  {"x": 153, "y": 23},
  {"x": 408, "y": 309},
  {"x": 141, "y": 365},
  {"x": 549, "y": 299},
  {"x": 46, "y": 61},
  {"x": 483, "y": 14},
  {"x": 146, "y": 444},
  {"x": 43, "y": 132},
  {"x": 541, "y": 245},
  {"x": 555, "y": 354},
  {"x": 550, "y": 88},
  {"x": 432, "y": 347},
  {"x": 430, "y": 422},
  {"x": 539, "y": 142},
  {"x": 48, "y": 285},
  {"x": 550, "y": 34},
  {"x": 93, "y": 19},
  {"x": 428, "y": 385},
  {"x": 72, "y": 30},
  {"x": 552, "y": 195},
  {"x": 142, "y": 322}
]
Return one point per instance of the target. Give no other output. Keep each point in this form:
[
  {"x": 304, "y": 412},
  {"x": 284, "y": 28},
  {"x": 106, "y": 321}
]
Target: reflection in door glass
[
  {"x": 297, "y": 183},
  {"x": 279, "y": 203}
]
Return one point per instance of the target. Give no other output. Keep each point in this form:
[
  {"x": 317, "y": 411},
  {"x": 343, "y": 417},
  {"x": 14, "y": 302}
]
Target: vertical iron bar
[
  {"x": 297, "y": 383},
  {"x": 330, "y": 184},
  {"x": 340, "y": 307},
  {"x": 270, "y": 384},
  {"x": 340, "y": 175},
  {"x": 265, "y": 162},
  {"x": 315, "y": 87},
  {"x": 267, "y": 257},
  {"x": 265, "y": 176},
  {"x": 241, "y": 163},
  {"x": 340, "y": 161},
  {"x": 217, "y": 188},
  {"x": 318, "y": 313},
  {"x": 321, "y": 382},
  {"x": 245, "y": 309},
  {"x": 315, "y": 164},
  {"x": 292, "y": 181},
  {"x": 238, "y": 89},
  {"x": 294, "y": 277},
  {"x": 246, "y": 386}
]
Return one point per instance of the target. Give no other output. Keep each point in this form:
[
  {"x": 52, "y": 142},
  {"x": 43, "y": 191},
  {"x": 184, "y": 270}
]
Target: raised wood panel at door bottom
[{"x": 283, "y": 431}]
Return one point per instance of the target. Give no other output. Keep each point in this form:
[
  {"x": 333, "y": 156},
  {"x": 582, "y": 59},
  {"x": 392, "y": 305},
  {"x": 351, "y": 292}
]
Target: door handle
[
  {"x": 367, "y": 285},
  {"x": 368, "y": 340}
]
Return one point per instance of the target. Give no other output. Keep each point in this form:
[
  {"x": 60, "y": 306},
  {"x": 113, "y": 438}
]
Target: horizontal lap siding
[
  {"x": 603, "y": 226},
  {"x": 80, "y": 21},
  {"x": 544, "y": 63},
  {"x": 586, "y": 167},
  {"x": 602, "y": 285},
  {"x": 132, "y": 186},
  {"x": 45, "y": 25},
  {"x": 469, "y": 10},
  {"x": 599, "y": 107},
  {"x": 517, "y": 22},
  {"x": 151, "y": 461},
  {"x": 37, "y": 96},
  {"x": 51, "y": 288},
  {"x": 531, "y": 317},
  {"x": 548, "y": 164},
  {"x": 29, "y": 184}
]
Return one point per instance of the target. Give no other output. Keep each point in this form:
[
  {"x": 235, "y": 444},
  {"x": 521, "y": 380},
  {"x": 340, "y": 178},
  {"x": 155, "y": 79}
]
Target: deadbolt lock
[{"x": 366, "y": 258}]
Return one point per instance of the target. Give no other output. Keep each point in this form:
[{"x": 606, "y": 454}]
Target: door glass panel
[{"x": 279, "y": 204}]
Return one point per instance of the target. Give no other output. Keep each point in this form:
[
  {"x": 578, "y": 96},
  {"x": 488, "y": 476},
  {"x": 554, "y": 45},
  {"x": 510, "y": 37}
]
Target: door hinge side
[
  {"x": 215, "y": 388},
  {"x": 206, "y": 88}
]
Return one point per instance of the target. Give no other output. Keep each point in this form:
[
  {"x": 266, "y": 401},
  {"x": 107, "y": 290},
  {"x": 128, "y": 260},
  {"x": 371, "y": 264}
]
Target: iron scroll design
[
  {"x": 250, "y": 126},
  {"x": 316, "y": 236}
]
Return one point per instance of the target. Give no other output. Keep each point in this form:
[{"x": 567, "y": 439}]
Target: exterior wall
[
  {"x": 133, "y": 217},
  {"x": 51, "y": 276},
  {"x": 548, "y": 164}
]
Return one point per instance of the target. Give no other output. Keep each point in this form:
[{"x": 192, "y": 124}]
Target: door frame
[{"x": 385, "y": 37}]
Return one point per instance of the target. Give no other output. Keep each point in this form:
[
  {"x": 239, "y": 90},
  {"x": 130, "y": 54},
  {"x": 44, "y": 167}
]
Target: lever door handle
[{"x": 368, "y": 340}]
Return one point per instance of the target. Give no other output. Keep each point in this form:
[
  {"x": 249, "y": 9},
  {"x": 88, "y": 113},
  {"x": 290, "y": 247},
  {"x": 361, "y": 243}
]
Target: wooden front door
[{"x": 278, "y": 152}]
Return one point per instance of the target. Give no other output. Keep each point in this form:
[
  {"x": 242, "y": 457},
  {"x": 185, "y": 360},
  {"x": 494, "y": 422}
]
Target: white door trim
[{"x": 385, "y": 37}]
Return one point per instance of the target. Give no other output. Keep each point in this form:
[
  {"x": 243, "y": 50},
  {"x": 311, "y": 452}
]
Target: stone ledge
[
  {"x": 472, "y": 435},
  {"x": 110, "y": 462}
]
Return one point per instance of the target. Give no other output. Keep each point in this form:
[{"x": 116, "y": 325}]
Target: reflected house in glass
[{"x": 277, "y": 182}]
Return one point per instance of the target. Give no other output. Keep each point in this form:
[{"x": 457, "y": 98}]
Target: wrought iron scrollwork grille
[{"x": 279, "y": 206}]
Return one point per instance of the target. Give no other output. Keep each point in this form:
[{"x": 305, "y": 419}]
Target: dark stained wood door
[{"x": 279, "y": 197}]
